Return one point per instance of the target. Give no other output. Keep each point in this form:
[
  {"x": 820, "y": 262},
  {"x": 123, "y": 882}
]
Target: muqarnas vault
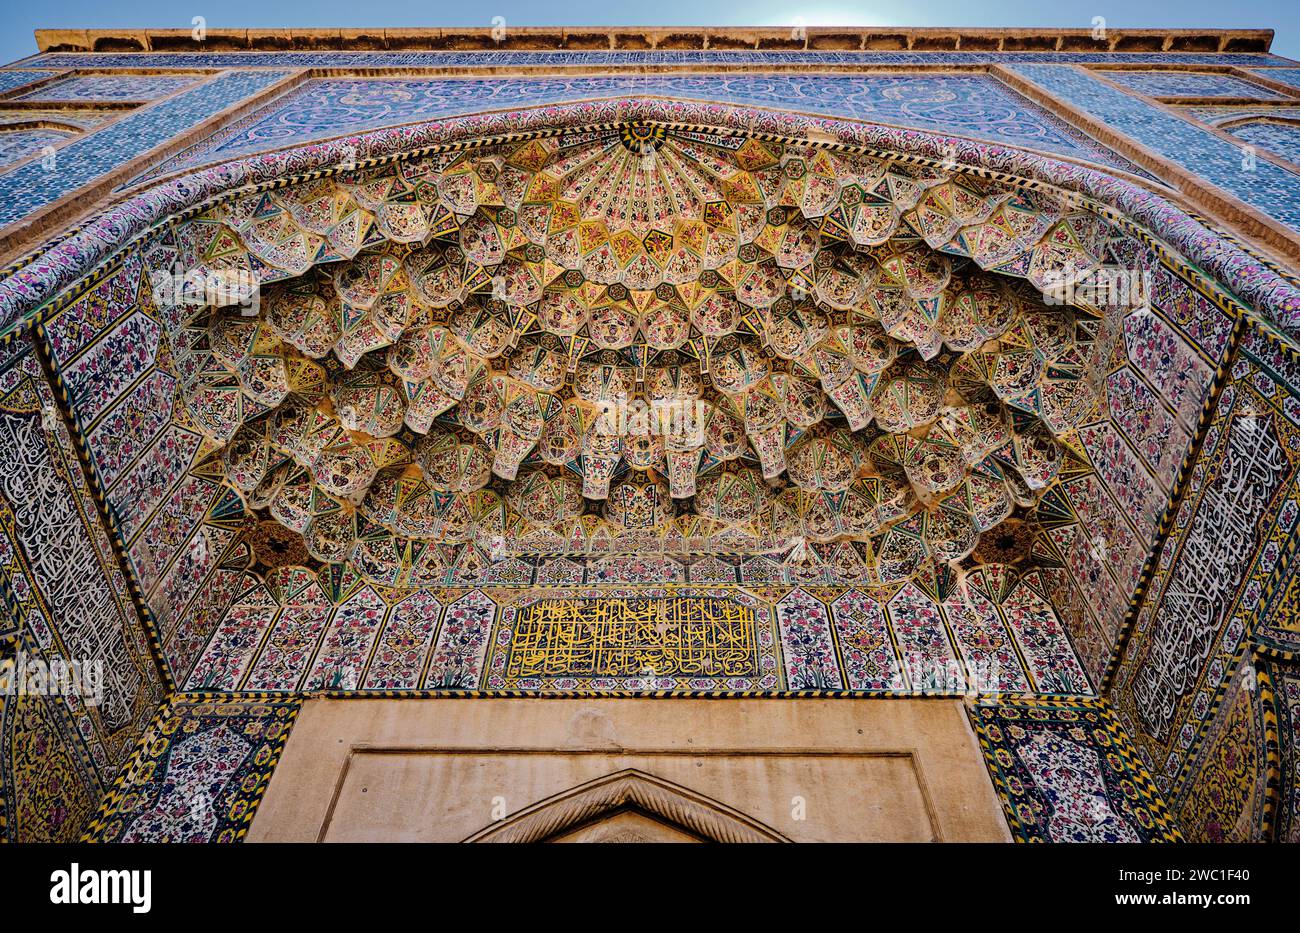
[{"x": 920, "y": 376}]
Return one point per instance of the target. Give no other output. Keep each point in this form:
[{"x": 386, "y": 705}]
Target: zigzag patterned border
[
  {"x": 1121, "y": 743},
  {"x": 119, "y": 792}
]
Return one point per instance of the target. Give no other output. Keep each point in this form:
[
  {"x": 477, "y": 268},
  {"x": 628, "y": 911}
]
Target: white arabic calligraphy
[
  {"x": 65, "y": 564},
  {"x": 1215, "y": 555}
]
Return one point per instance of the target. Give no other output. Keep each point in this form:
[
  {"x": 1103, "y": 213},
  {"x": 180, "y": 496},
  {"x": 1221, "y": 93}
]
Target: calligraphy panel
[
  {"x": 1241, "y": 505},
  {"x": 66, "y": 599},
  {"x": 650, "y": 639}
]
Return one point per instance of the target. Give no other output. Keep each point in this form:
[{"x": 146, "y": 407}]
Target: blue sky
[{"x": 18, "y": 19}]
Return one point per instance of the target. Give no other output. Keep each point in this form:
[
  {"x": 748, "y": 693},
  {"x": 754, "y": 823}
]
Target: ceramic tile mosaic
[
  {"x": 1205, "y": 325},
  {"x": 1281, "y": 139},
  {"x": 1093, "y": 645},
  {"x": 1107, "y": 531},
  {"x": 964, "y": 104},
  {"x": 19, "y": 144},
  {"x": 196, "y": 620},
  {"x": 1189, "y": 84},
  {"x": 151, "y": 478},
  {"x": 1180, "y": 375},
  {"x": 114, "y": 359},
  {"x": 1285, "y": 681},
  {"x": 88, "y": 88},
  {"x": 10, "y": 80},
  {"x": 1289, "y": 76},
  {"x": 239, "y": 607},
  {"x": 1065, "y": 773},
  {"x": 643, "y": 638},
  {"x": 1228, "y": 796},
  {"x": 1219, "y": 115},
  {"x": 1263, "y": 185},
  {"x": 1149, "y": 426},
  {"x": 76, "y": 117},
  {"x": 47, "y": 793},
  {"x": 33, "y": 185},
  {"x": 1276, "y": 627},
  {"x": 200, "y": 772},
  {"x": 1241, "y": 504},
  {"x": 63, "y": 591},
  {"x": 1085, "y": 558},
  {"x": 1137, "y": 490},
  {"x": 1252, "y": 280}
]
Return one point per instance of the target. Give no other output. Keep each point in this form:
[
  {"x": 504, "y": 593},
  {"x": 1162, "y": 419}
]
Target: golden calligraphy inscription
[{"x": 674, "y": 636}]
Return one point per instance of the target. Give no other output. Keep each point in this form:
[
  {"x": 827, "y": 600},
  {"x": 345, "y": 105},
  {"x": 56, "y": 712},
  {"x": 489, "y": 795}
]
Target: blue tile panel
[
  {"x": 1189, "y": 84},
  {"x": 628, "y": 58},
  {"x": 63, "y": 116},
  {"x": 977, "y": 106},
  {"x": 1266, "y": 187},
  {"x": 1279, "y": 138},
  {"x": 109, "y": 87},
  {"x": 1289, "y": 76},
  {"x": 33, "y": 185},
  {"x": 12, "y": 79},
  {"x": 1219, "y": 115},
  {"x": 19, "y": 144}
]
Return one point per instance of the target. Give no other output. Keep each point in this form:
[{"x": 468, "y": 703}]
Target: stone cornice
[{"x": 674, "y": 38}]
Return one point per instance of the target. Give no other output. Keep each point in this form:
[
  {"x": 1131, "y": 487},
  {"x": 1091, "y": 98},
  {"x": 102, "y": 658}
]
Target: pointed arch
[{"x": 629, "y": 790}]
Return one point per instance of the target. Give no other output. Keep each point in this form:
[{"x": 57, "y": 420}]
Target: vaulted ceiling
[{"x": 642, "y": 339}]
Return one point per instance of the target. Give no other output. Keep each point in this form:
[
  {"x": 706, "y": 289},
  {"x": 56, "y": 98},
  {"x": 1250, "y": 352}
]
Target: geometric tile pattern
[
  {"x": 212, "y": 611},
  {"x": 9, "y": 80},
  {"x": 1289, "y": 76},
  {"x": 84, "y": 88},
  {"x": 1269, "y": 188},
  {"x": 116, "y": 366},
  {"x": 199, "y": 773},
  {"x": 1240, "y": 509},
  {"x": 31, "y": 186},
  {"x": 1281, "y": 139},
  {"x": 19, "y": 144},
  {"x": 1189, "y": 84},
  {"x": 469, "y": 432},
  {"x": 234, "y": 606},
  {"x": 64, "y": 600},
  {"x": 1159, "y": 377},
  {"x": 1065, "y": 773}
]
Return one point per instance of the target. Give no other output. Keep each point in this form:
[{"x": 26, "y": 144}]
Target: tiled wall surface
[
  {"x": 1189, "y": 689},
  {"x": 626, "y": 59},
  {"x": 65, "y": 599},
  {"x": 968, "y": 105},
  {"x": 1270, "y": 189},
  {"x": 33, "y": 185},
  {"x": 1204, "y": 694}
]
